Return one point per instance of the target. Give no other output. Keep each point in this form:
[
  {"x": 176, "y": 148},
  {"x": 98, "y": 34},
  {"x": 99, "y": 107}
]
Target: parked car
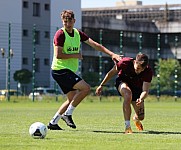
[
  {"x": 42, "y": 91},
  {"x": 12, "y": 92},
  {"x": 179, "y": 93}
]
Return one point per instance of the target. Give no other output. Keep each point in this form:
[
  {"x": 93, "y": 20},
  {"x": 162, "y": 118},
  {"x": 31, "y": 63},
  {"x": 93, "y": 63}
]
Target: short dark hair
[
  {"x": 142, "y": 59},
  {"x": 67, "y": 11}
]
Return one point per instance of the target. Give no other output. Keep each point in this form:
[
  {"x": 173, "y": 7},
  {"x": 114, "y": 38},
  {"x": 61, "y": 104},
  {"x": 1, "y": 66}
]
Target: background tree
[
  {"x": 23, "y": 76},
  {"x": 167, "y": 75}
]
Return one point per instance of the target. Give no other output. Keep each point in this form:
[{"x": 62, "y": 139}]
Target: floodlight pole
[{"x": 8, "y": 63}]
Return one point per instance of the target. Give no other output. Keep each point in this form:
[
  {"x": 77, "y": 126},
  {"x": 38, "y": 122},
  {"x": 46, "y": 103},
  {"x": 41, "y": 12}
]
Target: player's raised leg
[
  {"x": 53, "y": 124},
  {"x": 83, "y": 90}
]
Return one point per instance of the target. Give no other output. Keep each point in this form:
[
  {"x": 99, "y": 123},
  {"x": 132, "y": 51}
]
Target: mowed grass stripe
[{"x": 100, "y": 125}]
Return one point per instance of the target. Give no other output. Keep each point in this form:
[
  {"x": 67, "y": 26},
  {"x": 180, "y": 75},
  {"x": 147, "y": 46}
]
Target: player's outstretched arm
[
  {"x": 99, "y": 47},
  {"x": 107, "y": 77}
]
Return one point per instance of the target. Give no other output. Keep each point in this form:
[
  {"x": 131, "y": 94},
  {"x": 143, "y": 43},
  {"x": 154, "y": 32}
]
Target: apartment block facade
[{"x": 19, "y": 20}]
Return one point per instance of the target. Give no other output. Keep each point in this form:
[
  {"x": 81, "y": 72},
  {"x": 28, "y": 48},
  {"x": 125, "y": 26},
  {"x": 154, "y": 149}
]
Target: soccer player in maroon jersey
[{"x": 133, "y": 82}]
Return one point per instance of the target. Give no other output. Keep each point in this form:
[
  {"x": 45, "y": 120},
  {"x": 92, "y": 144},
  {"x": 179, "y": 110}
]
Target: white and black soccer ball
[{"x": 38, "y": 130}]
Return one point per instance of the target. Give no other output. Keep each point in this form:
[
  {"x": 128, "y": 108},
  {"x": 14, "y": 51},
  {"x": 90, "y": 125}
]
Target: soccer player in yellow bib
[{"x": 65, "y": 64}]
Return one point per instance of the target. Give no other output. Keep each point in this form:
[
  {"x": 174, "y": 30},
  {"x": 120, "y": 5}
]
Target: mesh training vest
[{"x": 71, "y": 46}]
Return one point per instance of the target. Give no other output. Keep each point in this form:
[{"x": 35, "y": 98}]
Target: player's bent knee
[{"x": 127, "y": 95}]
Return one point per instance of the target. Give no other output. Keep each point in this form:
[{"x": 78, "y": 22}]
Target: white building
[{"x": 17, "y": 18}]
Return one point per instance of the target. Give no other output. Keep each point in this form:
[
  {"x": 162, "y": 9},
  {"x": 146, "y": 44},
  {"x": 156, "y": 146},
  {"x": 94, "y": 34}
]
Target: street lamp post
[{"x": 8, "y": 64}]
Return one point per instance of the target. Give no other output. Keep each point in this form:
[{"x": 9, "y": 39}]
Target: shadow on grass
[
  {"x": 107, "y": 132},
  {"x": 144, "y": 132},
  {"x": 160, "y": 132}
]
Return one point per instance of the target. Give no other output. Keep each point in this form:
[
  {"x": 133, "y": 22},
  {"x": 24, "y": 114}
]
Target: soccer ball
[{"x": 38, "y": 130}]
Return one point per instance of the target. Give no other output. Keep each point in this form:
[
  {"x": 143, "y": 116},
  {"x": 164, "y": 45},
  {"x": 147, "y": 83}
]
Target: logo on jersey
[{"x": 74, "y": 49}]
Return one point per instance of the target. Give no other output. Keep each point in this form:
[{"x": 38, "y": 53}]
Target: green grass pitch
[{"x": 100, "y": 126}]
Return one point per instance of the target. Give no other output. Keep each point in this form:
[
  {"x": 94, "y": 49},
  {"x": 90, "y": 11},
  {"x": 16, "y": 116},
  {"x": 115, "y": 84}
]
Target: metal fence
[{"x": 30, "y": 47}]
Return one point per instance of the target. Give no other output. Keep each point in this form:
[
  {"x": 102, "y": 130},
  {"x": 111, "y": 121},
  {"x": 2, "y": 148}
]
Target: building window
[
  {"x": 47, "y": 34},
  {"x": 47, "y": 7},
  {"x": 37, "y": 37},
  {"x": 36, "y": 9},
  {"x": 25, "y": 61},
  {"x": 25, "y": 4},
  {"x": 25, "y": 32},
  {"x": 46, "y": 62},
  {"x": 37, "y": 65}
]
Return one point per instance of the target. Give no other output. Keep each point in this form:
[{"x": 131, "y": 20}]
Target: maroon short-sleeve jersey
[
  {"x": 59, "y": 37},
  {"x": 127, "y": 73}
]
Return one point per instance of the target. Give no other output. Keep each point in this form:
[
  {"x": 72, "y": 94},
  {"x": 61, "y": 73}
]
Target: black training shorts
[
  {"x": 136, "y": 92},
  {"x": 66, "y": 79}
]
